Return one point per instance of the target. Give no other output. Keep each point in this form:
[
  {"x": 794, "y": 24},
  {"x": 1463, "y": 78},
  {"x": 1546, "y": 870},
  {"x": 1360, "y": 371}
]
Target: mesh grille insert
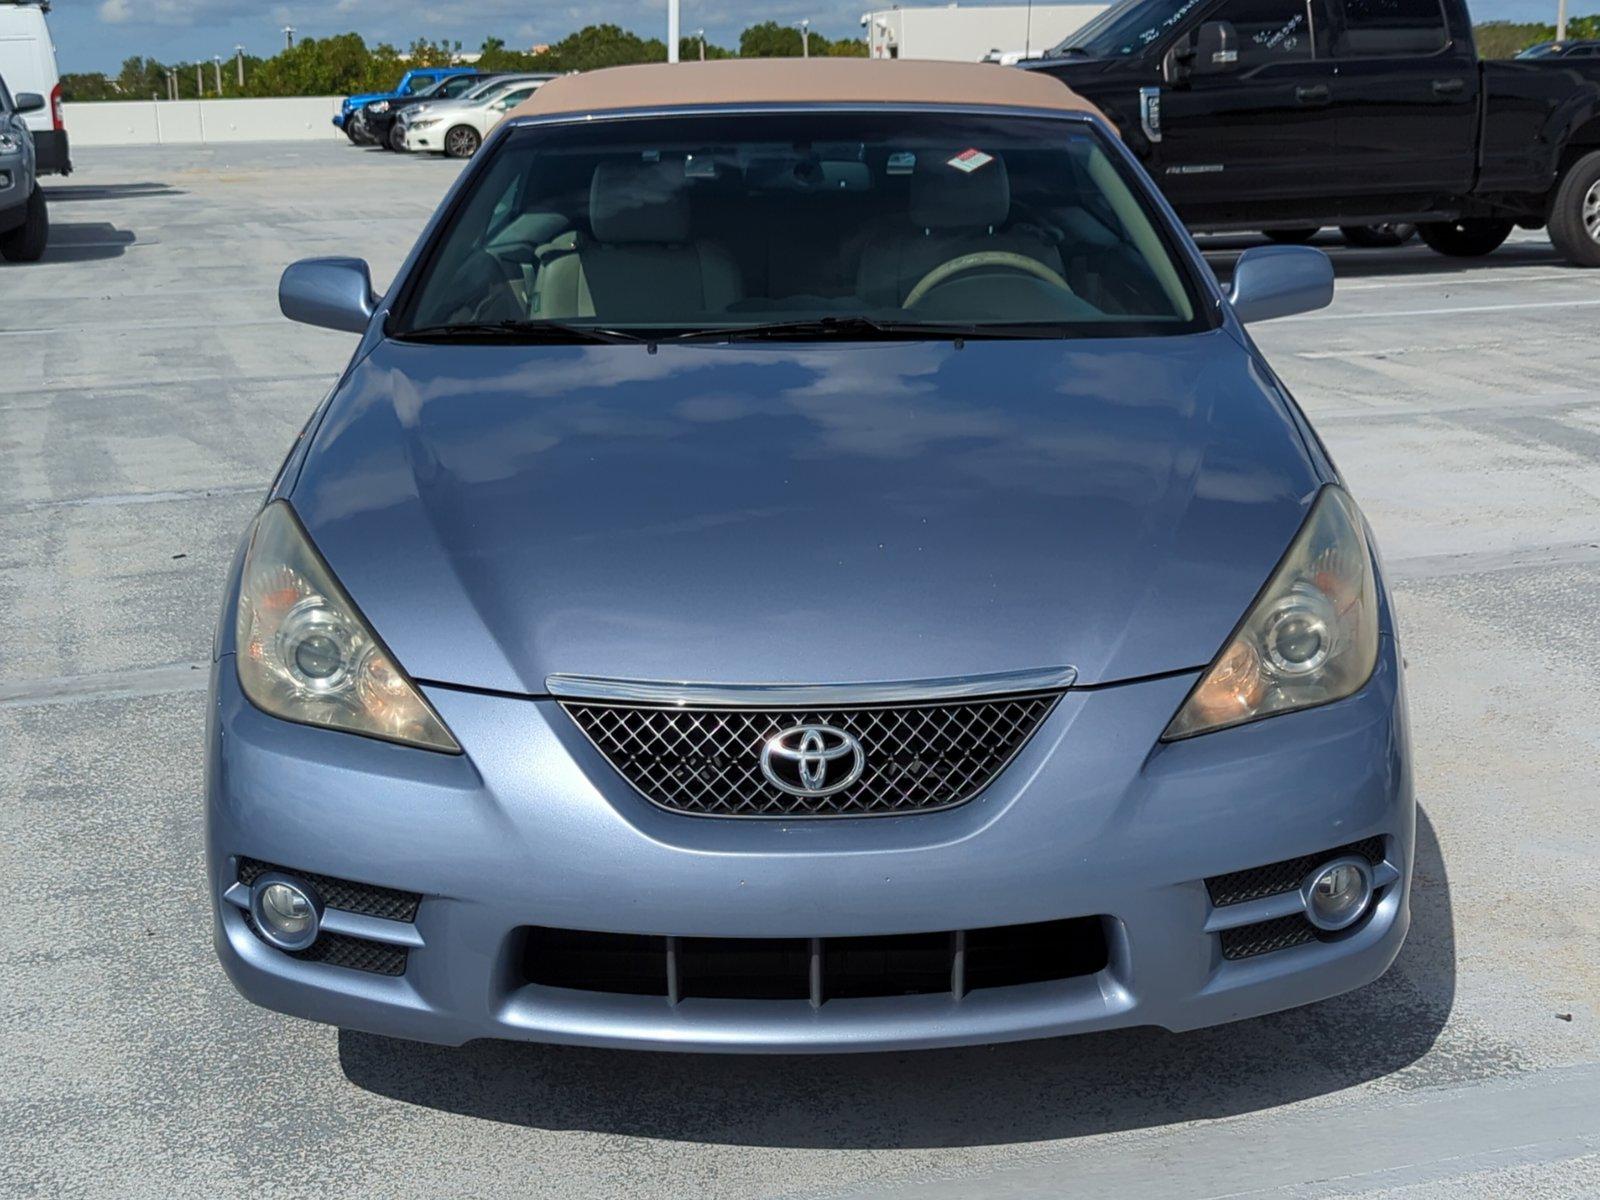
[
  {"x": 1247, "y": 941},
  {"x": 917, "y": 757},
  {"x": 341, "y": 950},
  {"x": 1237, "y": 887},
  {"x": 363, "y": 898}
]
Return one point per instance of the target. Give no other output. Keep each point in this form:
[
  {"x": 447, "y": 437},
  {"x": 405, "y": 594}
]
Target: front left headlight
[
  {"x": 305, "y": 653},
  {"x": 1310, "y": 638},
  {"x": 423, "y": 122}
]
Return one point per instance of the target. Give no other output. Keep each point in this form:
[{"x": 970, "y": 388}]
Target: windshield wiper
[
  {"x": 856, "y": 328},
  {"x": 519, "y": 333}
]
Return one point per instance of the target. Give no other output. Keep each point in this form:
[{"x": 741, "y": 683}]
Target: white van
[{"x": 28, "y": 64}]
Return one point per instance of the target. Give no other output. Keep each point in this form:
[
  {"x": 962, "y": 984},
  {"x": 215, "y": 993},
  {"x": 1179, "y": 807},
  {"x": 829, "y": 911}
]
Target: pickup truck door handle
[
  {"x": 1449, "y": 87},
  {"x": 1315, "y": 94}
]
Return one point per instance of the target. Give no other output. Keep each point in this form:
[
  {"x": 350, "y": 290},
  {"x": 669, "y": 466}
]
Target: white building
[{"x": 970, "y": 34}]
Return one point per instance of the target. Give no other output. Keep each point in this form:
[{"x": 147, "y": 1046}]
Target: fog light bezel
[
  {"x": 1308, "y": 891},
  {"x": 272, "y": 936}
]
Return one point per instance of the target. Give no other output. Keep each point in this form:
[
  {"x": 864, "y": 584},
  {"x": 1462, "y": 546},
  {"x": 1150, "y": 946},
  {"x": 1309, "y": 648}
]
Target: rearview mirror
[
  {"x": 1216, "y": 49},
  {"x": 1279, "y": 281},
  {"x": 28, "y": 102},
  {"x": 332, "y": 293}
]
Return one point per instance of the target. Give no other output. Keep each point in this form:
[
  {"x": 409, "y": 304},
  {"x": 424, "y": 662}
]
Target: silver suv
[{"x": 24, "y": 223}]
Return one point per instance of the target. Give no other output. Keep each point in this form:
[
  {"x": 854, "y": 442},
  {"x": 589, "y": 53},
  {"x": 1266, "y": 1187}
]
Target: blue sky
[{"x": 96, "y": 35}]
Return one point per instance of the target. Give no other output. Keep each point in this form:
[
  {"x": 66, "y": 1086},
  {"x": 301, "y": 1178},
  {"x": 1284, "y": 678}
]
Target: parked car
[
  {"x": 457, "y": 130},
  {"x": 1578, "y": 49},
  {"x": 379, "y": 119},
  {"x": 1043, "y": 675},
  {"x": 1290, "y": 114},
  {"x": 24, "y": 218},
  {"x": 411, "y": 83},
  {"x": 28, "y": 61},
  {"x": 483, "y": 88}
]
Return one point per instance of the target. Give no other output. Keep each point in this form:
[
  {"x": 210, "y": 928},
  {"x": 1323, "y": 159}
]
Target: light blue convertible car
[{"x": 806, "y": 558}]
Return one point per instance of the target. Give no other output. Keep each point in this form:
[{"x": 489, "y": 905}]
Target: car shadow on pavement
[
  {"x": 86, "y": 241},
  {"x": 1018, "y": 1092},
  {"x": 65, "y": 193}
]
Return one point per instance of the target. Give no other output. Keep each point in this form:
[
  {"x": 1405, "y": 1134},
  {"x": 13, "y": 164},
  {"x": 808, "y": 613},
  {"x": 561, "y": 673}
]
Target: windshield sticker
[
  {"x": 969, "y": 161},
  {"x": 902, "y": 163},
  {"x": 1149, "y": 35}
]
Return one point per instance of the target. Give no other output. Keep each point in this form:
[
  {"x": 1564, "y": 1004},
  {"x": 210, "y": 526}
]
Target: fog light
[
  {"x": 1338, "y": 893},
  {"x": 287, "y": 912}
]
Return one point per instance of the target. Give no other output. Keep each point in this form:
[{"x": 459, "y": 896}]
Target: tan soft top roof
[{"x": 801, "y": 81}]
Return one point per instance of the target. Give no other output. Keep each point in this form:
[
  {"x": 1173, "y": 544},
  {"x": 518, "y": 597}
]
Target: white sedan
[{"x": 459, "y": 131}]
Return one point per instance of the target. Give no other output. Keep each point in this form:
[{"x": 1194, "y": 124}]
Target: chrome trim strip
[
  {"x": 1268, "y": 908},
  {"x": 808, "y": 695},
  {"x": 372, "y": 929},
  {"x": 238, "y": 895}
]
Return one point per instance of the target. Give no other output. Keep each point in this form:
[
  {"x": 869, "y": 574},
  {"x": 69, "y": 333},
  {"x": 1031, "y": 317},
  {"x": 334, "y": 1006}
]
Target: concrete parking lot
[{"x": 149, "y": 389}]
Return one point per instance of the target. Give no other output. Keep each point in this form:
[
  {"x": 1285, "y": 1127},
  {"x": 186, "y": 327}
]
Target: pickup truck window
[
  {"x": 1269, "y": 31},
  {"x": 1385, "y": 28}
]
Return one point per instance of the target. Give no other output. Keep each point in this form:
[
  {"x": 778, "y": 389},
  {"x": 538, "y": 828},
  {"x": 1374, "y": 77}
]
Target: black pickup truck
[{"x": 1286, "y": 115}]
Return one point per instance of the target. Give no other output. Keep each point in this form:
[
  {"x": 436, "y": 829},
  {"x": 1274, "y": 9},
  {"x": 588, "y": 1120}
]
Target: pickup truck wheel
[
  {"x": 1465, "y": 239},
  {"x": 27, "y": 241},
  {"x": 1371, "y": 237},
  {"x": 1291, "y": 237},
  {"x": 1575, "y": 214},
  {"x": 462, "y": 142}
]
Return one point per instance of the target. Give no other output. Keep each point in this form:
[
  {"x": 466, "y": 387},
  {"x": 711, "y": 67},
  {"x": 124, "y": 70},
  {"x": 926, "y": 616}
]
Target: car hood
[{"x": 804, "y": 513}]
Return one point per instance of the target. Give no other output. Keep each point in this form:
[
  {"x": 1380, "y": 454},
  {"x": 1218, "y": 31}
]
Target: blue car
[
  {"x": 802, "y": 562},
  {"x": 412, "y": 82}
]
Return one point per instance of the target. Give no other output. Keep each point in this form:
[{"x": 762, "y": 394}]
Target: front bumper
[
  {"x": 532, "y": 827},
  {"x": 420, "y": 141}
]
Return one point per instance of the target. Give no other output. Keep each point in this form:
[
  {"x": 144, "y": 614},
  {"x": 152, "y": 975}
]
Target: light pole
[
  {"x": 238, "y": 53},
  {"x": 199, "y": 80},
  {"x": 288, "y": 34},
  {"x": 1561, "y": 20},
  {"x": 672, "y": 31},
  {"x": 172, "y": 84},
  {"x": 216, "y": 71},
  {"x": 700, "y": 36},
  {"x": 805, "y": 38}
]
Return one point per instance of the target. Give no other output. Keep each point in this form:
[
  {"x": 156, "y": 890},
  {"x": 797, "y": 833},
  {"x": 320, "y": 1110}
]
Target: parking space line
[
  {"x": 1390, "y": 315},
  {"x": 117, "y": 500},
  {"x": 106, "y": 685}
]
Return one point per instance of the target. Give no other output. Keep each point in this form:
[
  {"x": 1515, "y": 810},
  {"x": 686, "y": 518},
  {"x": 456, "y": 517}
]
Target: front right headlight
[
  {"x": 305, "y": 653},
  {"x": 1310, "y": 638}
]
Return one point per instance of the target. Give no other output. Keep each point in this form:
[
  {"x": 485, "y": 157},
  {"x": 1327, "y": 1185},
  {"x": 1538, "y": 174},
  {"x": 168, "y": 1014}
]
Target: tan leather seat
[
  {"x": 950, "y": 213},
  {"x": 638, "y": 262}
]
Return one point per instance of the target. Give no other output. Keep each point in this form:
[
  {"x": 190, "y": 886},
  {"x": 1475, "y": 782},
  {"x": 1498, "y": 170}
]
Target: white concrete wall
[
  {"x": 145, "y": 122},
  {"x": 967, "y": 34}
]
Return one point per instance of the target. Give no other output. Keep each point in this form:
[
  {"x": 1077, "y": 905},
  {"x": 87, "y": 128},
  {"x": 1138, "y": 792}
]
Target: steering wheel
[{"x": 1008, "y": 259}]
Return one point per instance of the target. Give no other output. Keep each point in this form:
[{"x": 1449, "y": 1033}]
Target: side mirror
[
  {"x": 333, "y": 293},
  {"x": 1216, "y": 49},
  {"x": 1280, "y": 281},
  {"x": 27, "y": 102}
]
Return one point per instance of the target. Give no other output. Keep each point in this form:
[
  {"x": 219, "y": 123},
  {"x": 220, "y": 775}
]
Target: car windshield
[
  {"x": 818, "y": 224},
  {"x": 1125, "y": 28},
  {"x": 486, "y": 88}
]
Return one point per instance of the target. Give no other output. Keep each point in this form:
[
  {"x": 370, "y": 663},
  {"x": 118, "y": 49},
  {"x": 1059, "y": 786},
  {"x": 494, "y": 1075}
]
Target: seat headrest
[
  {"x": 947, "y": 197},
  {"x": 639, "y": 202}
]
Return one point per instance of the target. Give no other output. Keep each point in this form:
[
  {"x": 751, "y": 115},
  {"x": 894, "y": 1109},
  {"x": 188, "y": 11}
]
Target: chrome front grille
[{"x": 917, "y": 757}]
